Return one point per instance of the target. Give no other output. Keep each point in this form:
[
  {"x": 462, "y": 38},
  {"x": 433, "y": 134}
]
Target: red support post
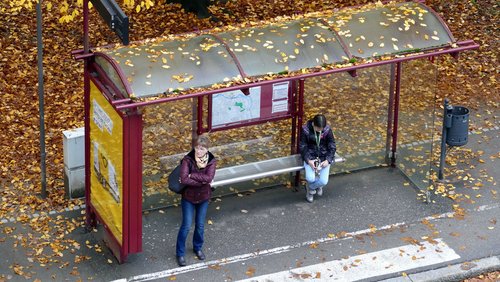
[
  {"x": 390, "y": 113},
  {"x": 300, "y": 116},
  {"x": 396, "y": 114},
  {"x": 293, "y": 111},
  {"x": 300, "y": 110},
  {"x": 90, "y": 220},
  {"x": 132, "y": 184},
  {"x": 209, "y": 111}
]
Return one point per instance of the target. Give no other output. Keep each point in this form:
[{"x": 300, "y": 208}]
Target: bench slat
[{"x": 255, "y": 170}]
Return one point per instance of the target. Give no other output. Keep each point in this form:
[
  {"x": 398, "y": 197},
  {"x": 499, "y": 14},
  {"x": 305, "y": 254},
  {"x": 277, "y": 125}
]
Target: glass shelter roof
[
  {"x": 162, "y": 66},
  {"x": 390, "y": 29},
  {"x": 288, "y": 46}
]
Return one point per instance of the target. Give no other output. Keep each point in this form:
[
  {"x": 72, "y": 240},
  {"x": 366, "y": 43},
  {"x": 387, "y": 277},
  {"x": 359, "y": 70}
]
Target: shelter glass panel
[
  {"x": 167, "y": 134},
  {"x": 356, "y": 108},
  {"x": 112, "y": 74},
  {"x": 389, "y": 29},
  {"x": 164, "y": 66},
  {"x": 417, "y": 121},
  {"x": 286, "y": 46},
  {"x": 252, "y": 144}
]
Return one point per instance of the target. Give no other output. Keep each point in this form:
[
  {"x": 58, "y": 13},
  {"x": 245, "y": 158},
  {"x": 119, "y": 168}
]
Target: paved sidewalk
[{"x": 362, "y": 216}]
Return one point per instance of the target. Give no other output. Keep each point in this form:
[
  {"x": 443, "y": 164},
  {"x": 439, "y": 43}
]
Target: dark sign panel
[{"x": 114, "y": 17}]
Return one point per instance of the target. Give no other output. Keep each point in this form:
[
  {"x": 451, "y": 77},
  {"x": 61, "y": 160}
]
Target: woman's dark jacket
[
  {"x": 197, "y": 180},
  {"x": 308, "y": 147}
]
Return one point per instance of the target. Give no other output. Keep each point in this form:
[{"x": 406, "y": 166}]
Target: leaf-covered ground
[{"x": 470, "y": 81}]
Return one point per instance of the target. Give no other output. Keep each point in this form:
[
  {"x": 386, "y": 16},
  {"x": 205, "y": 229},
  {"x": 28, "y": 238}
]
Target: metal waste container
[{"x": 458, "y": 132}]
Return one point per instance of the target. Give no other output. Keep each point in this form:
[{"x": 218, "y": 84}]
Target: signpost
[{"x": 40, "y": 96}]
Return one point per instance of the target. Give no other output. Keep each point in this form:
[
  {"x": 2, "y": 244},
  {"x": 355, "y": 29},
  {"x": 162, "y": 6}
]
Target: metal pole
[
  {"x": 40, "y": 96},
  {"x": 85, "y": 27},
  {"x": 447, "y": 110}
]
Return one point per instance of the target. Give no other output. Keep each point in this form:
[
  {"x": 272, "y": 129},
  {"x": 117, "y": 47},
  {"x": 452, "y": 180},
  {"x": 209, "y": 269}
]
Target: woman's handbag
[{"x": 174, "y": 180}]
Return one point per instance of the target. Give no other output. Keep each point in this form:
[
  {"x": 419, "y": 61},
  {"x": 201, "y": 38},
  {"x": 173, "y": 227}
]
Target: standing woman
[
  {"x": 197, "y": 172},
  {"x": 317, "y": 147}
]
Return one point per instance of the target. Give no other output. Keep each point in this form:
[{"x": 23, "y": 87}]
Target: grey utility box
[{"x": 74, "y": 162}]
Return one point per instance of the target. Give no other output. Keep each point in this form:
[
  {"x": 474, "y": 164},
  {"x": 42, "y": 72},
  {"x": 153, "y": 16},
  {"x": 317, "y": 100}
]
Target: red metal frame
[
  {"x": 199, "y": 114},
  {"x": 396, "y": 113},
  {"x": 390, "y": 112},
  {"x": 300, "y": 117},
  {"x": 90, "y": 218},
  {"x": 293, "y": 111},
  {"x": 132, "y": 184}
]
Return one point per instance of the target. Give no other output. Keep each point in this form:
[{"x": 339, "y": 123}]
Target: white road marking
[{"x": 368, "y": 265}]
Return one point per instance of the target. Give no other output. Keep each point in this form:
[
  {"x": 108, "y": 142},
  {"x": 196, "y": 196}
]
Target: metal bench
[{"x": 260, "y": 169}]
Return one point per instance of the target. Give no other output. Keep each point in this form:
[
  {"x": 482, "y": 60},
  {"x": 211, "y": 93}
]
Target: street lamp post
[{"x": 40, "y": 96}]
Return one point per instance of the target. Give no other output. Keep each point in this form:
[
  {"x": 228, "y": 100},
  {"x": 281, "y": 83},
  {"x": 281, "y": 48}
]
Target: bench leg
[{"x": 296, "y": 181}]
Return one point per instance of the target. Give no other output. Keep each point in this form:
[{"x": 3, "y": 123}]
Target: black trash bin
[{"x": 458, "y": 132}]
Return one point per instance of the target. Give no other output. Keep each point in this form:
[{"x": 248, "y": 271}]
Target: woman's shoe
[
  {"x": 309, "y": 197},
  {"x": 319, "y": 191},
  {"x": 181, "y": 261},
  {"x": 309, "y": 190},
  {"x": 200, "y": 255}
]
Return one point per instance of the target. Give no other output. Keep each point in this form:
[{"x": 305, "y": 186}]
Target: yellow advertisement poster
[{"x": 106, "y": 161}]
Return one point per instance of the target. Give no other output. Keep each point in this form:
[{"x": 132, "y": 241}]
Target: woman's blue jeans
[
  {"x": 188, "y": 209},
  {"x": 316, "y": 181}
]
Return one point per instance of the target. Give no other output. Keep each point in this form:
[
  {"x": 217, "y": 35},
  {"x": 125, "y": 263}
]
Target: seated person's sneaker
[
  {"x": 319, "y": 191},
  {"x": 181, "y": 261},
  {"x": 309, "y": 197},
  {"x": 200, "y": 255}
]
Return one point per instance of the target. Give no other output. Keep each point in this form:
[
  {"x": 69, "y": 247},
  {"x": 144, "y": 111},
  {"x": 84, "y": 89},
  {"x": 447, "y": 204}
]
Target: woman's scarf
[{"x": 202, "y": 162}]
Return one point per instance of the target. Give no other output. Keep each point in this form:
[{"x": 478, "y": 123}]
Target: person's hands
[{"x": 325, "y": 163}]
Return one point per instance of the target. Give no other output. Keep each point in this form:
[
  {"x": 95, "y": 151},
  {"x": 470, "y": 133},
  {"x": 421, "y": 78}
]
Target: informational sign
[
  {"x": 235, "y": 106},
  {"x": 280, "y": 91},
  {"x": 263, "y": 103},
  {"x": 106, "y": 153},
  {"x": 280, "y": 97}
]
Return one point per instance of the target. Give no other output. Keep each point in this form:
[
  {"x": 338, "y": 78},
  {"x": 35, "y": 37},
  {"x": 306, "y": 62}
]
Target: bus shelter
[{"x": 252, "y": 87}]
